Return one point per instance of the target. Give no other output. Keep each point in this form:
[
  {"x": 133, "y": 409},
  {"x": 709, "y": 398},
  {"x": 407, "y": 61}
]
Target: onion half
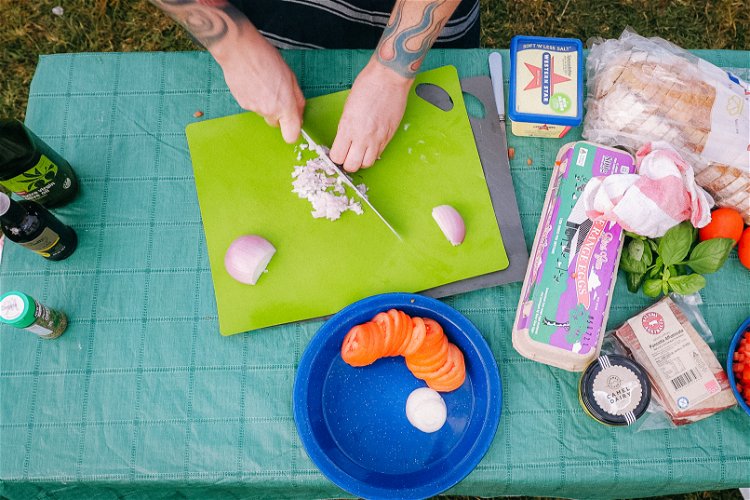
[
  {"x": 247, "y": 258},
  {"x": 450, "y": 222}
]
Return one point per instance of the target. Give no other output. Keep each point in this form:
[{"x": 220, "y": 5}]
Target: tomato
[
  {"x": 725, "y": 223},
  {"x": 741, "y": 366},
  {"x": 743, "y": 249}
]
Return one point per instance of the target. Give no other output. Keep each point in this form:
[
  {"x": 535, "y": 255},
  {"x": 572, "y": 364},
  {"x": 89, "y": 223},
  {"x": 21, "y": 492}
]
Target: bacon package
[
  {"x": 567, "y": 291},
  {"x": 686, "y": 378}
]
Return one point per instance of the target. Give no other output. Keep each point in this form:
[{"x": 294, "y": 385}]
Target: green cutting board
[{"x": 243, "y": 178}]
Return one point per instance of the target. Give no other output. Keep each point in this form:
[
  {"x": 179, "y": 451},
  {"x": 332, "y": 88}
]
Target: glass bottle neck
[{"x": 15, "y": 213}]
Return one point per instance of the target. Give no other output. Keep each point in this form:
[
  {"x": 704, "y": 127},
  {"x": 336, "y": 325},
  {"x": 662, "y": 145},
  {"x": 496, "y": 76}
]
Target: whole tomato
[
  {"x": 743, "y": 249},
  {"x": 725, "y": 223}
]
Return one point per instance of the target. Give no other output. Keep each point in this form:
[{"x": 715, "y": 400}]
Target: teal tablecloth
[{"x": 141, "y": 397}]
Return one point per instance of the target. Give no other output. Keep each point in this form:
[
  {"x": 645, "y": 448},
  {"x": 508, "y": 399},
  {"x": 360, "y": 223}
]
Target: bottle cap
[
  {"x": 4, "y": 203},
  {"x": 17, "y": 309}
]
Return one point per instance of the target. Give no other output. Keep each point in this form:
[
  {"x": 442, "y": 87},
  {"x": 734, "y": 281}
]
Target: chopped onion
[
  {"x": 247, "y": 258},
  {"x": 450, "y": 223},
  {"x": 426, "y": 410}
]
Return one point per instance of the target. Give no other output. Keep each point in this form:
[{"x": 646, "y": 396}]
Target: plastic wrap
[
  {"x": 670, "y": 339},
  {"x": 646, "y": 89}
]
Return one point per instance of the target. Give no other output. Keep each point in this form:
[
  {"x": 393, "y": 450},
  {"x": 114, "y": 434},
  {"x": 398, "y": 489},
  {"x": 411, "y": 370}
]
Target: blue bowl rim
[
  {"x": 482, "y": 442},
  {"x": 730, "y": 362}
]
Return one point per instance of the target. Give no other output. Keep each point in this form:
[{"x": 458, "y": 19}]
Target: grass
[{"x": 30, "y": 29}]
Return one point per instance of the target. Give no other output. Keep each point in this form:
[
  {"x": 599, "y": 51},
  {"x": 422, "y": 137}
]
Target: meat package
[
  {"x": 686, "y": 378},
  {"x": 642, "y": 90}
]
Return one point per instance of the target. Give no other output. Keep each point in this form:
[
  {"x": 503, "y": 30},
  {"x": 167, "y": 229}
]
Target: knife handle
[{"x": 496, "y": 75}]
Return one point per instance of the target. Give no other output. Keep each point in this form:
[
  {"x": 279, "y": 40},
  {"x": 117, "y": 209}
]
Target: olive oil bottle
[
  {"x": 33, "y": 170},
  {"x": 32, "y": 226}
]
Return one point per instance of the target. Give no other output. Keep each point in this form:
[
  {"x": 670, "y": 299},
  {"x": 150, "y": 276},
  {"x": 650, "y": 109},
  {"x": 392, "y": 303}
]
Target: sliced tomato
[
  {"x": 418, "y": 333},
  {"x": 429, "y": 361},
  {"x": 408, "y": 327},
  {"x": 355, "y": 347},
  {"x": 377, "y": 341},
  {"x": 385, "y": 323},
  {"x": 398, "y": 332}
]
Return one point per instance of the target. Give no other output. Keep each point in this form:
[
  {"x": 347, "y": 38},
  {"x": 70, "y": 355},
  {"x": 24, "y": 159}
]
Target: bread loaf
[{"x": 643, "y": 90}]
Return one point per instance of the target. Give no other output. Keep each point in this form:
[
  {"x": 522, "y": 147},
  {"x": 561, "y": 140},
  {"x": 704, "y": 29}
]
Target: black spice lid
[{"x": 615, "y": 390}]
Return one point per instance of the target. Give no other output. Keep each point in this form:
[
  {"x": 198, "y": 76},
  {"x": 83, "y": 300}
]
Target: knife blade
[
  {"x": 496, "y": 77},
  {"x": 345, "y": 179}
]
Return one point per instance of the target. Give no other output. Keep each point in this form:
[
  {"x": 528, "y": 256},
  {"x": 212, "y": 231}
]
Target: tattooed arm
[
  {"x": 255, "y": 73},
  {"x": 377, "y": 101}
]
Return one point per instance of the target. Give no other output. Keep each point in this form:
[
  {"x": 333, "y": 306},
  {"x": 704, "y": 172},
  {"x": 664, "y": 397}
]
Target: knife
[
  {"x": 345, "y": 178},
  {"x": 496, "y": 76}
]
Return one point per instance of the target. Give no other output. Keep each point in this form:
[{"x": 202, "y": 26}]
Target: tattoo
[
  {"x": 208, "y": 21},
  {"x": 397, "y": 50}
]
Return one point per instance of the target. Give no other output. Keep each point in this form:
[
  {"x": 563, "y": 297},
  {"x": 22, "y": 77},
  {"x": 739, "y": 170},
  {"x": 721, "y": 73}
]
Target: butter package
[
  {"x": 546, "y": 86},
  {"x": 565, "y": 298}
]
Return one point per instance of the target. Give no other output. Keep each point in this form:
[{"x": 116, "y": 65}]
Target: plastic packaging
[
  {"x": 546, "y": 86},
  {"x": 670, "y": 340},
  {"x": 641, "y": 90},
  {"x": 567, "y": 291}
]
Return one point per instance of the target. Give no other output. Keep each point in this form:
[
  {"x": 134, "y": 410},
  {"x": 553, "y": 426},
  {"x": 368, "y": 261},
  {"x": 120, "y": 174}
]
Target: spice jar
[{"x": 22, "y": 311}]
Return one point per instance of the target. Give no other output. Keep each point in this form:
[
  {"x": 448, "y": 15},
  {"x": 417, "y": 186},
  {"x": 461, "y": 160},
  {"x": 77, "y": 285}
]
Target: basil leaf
[
  {"x": 688, "y": 284},
  {"x": 654, "y": 246},
  {"x": 675, "y": 244},
  {"x": 667, "y": 274},
  {"x": 708, "y": 256},
  {"x": 634, "y": 281},
  {"x": 648, "y": 256},
  {"x": 652, "y": 288},
  {"x": 629, "y": 262},
  {"x": 634, "y": 236},
  {"x": 658, "y": 265},
  {"x": 635, "y": 248}
]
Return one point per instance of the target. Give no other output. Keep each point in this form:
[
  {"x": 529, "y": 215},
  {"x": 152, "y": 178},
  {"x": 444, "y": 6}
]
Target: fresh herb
[{"x": 673, "y": 262}]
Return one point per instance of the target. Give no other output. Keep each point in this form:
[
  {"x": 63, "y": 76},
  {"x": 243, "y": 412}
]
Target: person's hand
[
  {"x": 261, "y": 81},
  {"x": 371, "y": 116}
]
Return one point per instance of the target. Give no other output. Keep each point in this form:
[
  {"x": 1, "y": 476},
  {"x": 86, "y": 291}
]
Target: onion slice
[
  {"x": 450, "y": 223},
  {"x": 426, "y": 410},
  {"x": 247, "y": 258}
]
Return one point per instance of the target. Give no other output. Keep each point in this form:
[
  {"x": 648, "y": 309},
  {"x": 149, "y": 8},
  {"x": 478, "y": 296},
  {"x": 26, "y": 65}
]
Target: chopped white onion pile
[
  {"x": 319, "y": 184},
  {"x": 450, "y": 222},
  {"x": 426, "y": 410},
  {"x": 247, "y": 258}
]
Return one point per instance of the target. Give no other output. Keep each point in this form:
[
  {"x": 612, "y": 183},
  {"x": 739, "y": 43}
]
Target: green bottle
[
  {"x": 33, "y": 170},
  {"x": 32, "y": 226}
]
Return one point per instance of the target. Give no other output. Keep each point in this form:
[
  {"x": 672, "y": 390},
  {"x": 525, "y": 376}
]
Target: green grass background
[{"x": 28, "y": 28}]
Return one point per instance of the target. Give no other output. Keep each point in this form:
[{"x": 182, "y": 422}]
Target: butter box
[{"x": 546, "y": 86}]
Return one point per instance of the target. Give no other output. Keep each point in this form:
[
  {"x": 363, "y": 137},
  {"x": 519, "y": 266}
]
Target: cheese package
[
  {"x": 567, "y": 291},
  {"x": 546, "y": 86}
]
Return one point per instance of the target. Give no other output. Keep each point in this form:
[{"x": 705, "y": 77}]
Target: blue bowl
[
  {"x": 352, "y": 421},
  {"x": 730, "y": 362}
]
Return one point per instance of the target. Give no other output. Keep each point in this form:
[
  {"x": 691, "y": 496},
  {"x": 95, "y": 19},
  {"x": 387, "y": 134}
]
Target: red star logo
[{"x": 536, "y": 77}]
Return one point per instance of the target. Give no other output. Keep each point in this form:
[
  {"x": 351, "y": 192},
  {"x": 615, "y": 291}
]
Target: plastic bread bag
[
  {"x": 671, "y": 340},
  {"x": 647, "y": 89}
]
